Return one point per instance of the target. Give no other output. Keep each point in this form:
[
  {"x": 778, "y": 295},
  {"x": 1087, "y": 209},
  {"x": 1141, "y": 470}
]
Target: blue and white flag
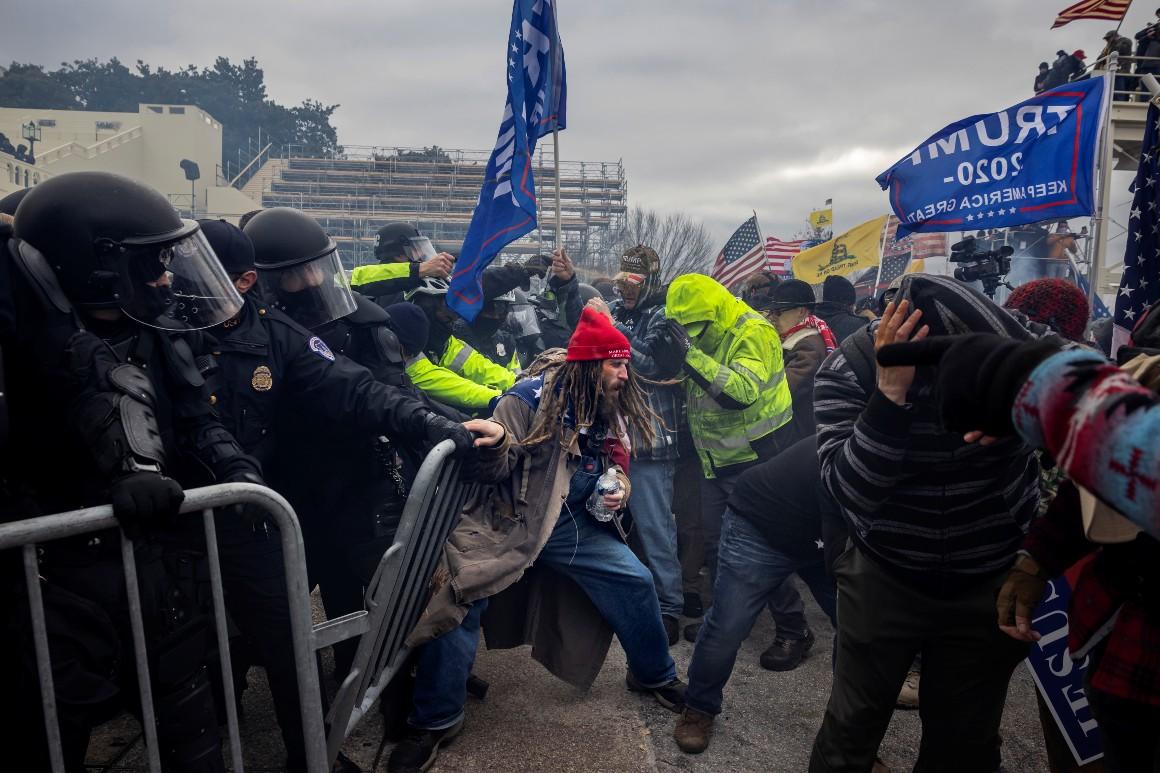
[
  {"x": 1140, "y": 282},
  {"x": 537, "y": 94},
  {"x": 1033, "y": 161}
]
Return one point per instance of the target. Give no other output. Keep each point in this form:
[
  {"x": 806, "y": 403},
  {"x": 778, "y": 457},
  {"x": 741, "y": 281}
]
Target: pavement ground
[{"x": 532, "y": 722}]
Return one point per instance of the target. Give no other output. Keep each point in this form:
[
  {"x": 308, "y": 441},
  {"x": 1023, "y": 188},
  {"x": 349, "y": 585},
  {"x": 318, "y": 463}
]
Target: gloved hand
[
  {"x": 979, "y": 375},
  {"x": 1021, "y": 592},
  {"x": 538, "y": 265},
  {"x": 141, "y": 499},
  {"x": 438, "y": 429},
  {"x": 679, "y": 335}
]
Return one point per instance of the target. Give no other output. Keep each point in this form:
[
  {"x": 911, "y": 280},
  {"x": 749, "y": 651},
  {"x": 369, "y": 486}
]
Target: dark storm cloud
[{"x": 716, "y": 108}]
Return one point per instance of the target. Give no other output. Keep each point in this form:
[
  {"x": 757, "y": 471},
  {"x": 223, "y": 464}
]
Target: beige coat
[{"x": 495, "y": 544}]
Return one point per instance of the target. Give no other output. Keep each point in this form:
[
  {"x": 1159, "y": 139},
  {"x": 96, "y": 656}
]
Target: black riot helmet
[
  {"x": 402, "y": 243},
  {"x": 299, "y": 263},
  {"x": 115, "y": 243},
  {"x": 9, "y": 203}
]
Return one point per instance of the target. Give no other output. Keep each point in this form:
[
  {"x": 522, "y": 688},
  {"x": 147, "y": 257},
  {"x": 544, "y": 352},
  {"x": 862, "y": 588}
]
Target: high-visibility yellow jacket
[
  {"x": 461, "y": 359},
  {"x": 450, "y": 388},
  {"x": 735, "y": 386}
]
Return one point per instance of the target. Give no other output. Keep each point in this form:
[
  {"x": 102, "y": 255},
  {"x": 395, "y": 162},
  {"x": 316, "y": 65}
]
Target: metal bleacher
[{"x": 354, "y": 192}]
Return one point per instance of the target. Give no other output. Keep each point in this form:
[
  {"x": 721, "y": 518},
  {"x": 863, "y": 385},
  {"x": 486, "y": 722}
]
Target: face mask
[{"x": 152, "y": 302}]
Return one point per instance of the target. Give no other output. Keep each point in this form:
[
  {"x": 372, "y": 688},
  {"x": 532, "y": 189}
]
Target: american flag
[
  {"x": 897, "y": 254},
  {"x": 743, "y": 254},
  {"x": 1112, "y": 10},
  {"x": 779, "y": 255},
  {"x": 1140, "y": 282}
]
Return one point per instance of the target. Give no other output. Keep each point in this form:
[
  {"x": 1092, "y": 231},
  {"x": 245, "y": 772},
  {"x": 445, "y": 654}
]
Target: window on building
[
  {"x": 155, "y": 109},
  {"x": 177, "y": 111},
  {"x": 10, "y": 174},
  {"x": 50, "y": 122}
]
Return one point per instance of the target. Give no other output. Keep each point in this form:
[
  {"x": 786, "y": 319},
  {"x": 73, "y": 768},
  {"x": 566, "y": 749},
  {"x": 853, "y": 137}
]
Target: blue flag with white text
[
  {"x": 1033, "y": 161},
  {"x": 536, "y": 99}
]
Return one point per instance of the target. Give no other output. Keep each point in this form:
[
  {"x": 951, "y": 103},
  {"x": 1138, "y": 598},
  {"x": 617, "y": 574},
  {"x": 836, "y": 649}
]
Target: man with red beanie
[
  {"x": 1057, "y": 303},
  {"x": 537, "y": 550}
]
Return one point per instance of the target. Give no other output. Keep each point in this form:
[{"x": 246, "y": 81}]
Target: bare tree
[{"x": 683, "y": 243}]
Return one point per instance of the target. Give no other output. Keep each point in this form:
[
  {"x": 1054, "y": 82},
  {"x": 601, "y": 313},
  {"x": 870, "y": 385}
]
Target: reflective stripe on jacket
[
  {"x": 736, "y": 391},
  {"x": 461, "y": 359},
  {"x": 450, "y": 388}
]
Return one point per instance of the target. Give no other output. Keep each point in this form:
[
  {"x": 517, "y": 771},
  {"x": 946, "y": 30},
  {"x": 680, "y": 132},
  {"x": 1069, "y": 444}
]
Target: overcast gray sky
[{"x": 716, "y": 107}]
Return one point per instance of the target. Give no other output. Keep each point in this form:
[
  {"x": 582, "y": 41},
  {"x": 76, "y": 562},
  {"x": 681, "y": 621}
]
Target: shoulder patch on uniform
[{"x": 320, "y": 348}]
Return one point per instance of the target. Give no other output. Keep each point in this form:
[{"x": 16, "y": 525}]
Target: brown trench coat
[{"x": 497, "y": 540}]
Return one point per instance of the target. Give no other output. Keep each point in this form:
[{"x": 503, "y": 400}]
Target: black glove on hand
[
  {"x": 538, "y": 265},
  {"x": 979, "y": 375},
  {"x": 254, "y": 515},
  {"x": 439, "y": 429},
  {"x": 144, "y": 498},
  {"x": 679, "y": 335}
]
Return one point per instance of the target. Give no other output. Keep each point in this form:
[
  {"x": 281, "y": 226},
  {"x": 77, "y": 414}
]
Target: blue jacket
[{"x": 656, "y": 357}]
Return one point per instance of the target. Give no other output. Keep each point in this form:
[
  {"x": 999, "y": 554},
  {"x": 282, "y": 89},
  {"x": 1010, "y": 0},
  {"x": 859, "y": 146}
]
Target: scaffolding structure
[{"x": 355, "y": 192}]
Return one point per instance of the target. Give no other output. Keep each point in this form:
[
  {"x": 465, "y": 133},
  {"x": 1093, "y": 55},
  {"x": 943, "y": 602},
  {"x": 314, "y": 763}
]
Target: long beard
[{"x": 609, "y": 409}]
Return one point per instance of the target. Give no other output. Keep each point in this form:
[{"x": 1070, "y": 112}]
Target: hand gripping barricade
[
  {"x": 395, "y": 599},
  {"x": 397, "y": 593}
]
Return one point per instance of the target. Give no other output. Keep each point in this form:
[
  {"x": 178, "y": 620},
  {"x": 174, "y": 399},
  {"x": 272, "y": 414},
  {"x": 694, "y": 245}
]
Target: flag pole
[
  {"x": 761, "y": 237},
  {"x": 1103, "y": 174},
  {"x": 556, "y": 160}
]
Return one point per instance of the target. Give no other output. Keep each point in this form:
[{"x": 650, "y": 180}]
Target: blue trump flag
[
  {"x": 1033, "y": 161},
  {"x": 537, "y": 93}
]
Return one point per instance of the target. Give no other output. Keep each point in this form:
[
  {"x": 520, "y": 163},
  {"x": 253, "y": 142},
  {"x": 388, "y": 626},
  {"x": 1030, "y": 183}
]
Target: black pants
[
  {"x": 1130, "y": 730},
  {"x": 966, "y": 666}
]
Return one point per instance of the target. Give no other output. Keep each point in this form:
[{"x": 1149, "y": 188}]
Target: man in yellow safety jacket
[
  {"x": 405, "y": 258},
  {"x": 447, "y": 351},
  {"x": 739, "y": 409},
  {"x": 412, "y": 329}
]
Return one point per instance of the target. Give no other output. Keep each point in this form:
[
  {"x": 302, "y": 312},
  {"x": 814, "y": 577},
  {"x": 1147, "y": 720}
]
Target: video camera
[{"x": 987, "y": 267}]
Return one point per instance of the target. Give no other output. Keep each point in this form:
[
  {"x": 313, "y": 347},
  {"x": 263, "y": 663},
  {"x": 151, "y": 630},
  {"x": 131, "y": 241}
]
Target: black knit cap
[
  {"x": 410, "y": 325},
  {"x": 839, "y": 290}
]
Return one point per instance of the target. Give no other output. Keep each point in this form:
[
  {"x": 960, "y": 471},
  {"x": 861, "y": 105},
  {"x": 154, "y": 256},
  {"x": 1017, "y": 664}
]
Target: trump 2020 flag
[
  {"x": 537, "y": 93},
  {"x": 1033, "y": 161}
]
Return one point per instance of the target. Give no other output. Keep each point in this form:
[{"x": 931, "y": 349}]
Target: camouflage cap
[{"x": 640, "y": 260}]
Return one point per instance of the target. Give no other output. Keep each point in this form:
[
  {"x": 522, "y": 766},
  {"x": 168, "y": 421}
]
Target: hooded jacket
[{"x": 736, "y": 391}]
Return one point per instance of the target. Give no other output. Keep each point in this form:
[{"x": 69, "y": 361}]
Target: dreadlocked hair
[{"x": 577, "y": 387}]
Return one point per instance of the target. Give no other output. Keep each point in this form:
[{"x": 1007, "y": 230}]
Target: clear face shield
[
  {"x": 418, "y": 249},
  {"x": 181, "y": 282},
  {"x": 522, "y": 320},
  {"x": 312, "y": 293}
]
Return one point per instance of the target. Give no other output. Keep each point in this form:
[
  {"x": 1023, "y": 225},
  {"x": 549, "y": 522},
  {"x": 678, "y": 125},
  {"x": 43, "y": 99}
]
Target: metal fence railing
[
  {"x": 399, "y": 590},
  {"x": 395, "y": 599},
  {"x": 29, "y": 533}
]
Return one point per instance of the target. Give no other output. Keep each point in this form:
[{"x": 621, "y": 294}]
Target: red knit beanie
[
  {"x": 1057, "y": 303},
  {"x": 596, "y": 339}
]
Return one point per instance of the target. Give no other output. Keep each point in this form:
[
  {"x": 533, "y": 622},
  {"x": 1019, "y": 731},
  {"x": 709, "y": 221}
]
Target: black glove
[
  {"x": 679, "y": 335},
  {"x": 253, "y": 515},
  {"x": 979, "y": 375},
  {"x": 538, "y": 265},
  {"x": 439, "y": 429},
  {"x": 141, "y": 499}
]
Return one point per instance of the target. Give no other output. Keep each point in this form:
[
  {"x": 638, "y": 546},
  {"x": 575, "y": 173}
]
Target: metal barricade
[
  {"x": 27, "y": 534},
  {"x": 397, "y": 593}
]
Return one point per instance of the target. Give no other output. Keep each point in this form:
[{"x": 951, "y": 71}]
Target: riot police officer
[
  {"x": 276, "y": 383},
  {"x": 112, "y": 254},
  {"x": 405, "y": 258},
  {"x": 343, "y": 480}
]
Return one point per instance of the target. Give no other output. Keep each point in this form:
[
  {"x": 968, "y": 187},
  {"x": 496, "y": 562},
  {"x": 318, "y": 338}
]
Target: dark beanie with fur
[{"x": 950, "y": 307}]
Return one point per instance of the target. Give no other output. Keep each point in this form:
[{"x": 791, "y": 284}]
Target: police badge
[{"x": 262, "y": 380}]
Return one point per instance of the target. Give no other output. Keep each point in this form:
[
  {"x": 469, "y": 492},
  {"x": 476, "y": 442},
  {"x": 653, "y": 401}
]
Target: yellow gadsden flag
[
  {"x": 858, "y": 248},
  {"x": 821, "y": 219}
]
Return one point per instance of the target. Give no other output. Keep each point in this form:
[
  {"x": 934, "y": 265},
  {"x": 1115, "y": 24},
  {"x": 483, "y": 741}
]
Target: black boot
[
  {"x": 787, "y": 654},
  {"x": 417, "y": 752}
]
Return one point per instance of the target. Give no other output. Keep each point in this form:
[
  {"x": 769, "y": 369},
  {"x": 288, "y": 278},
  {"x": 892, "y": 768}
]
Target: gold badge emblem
[
  {"x": 263, "y": 379},
  {"x": 230, "y": 324}
]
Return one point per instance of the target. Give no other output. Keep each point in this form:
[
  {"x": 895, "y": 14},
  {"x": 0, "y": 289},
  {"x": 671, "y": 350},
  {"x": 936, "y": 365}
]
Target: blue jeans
[
  {"x": 749, "y": 571},
  {"x": 655, "y": 530},
  {"x": 616, "y": 582}
]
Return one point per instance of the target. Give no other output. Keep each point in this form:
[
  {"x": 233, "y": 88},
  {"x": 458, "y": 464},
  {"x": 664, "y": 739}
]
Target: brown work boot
[
  {"x": 908, "y": 695},
  {"x": 693, "y": 731}
]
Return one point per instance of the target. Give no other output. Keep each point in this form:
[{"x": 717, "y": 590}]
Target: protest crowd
[
  {"x": 630, "y": 444},
  {"x": 653, "y": 456}
]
